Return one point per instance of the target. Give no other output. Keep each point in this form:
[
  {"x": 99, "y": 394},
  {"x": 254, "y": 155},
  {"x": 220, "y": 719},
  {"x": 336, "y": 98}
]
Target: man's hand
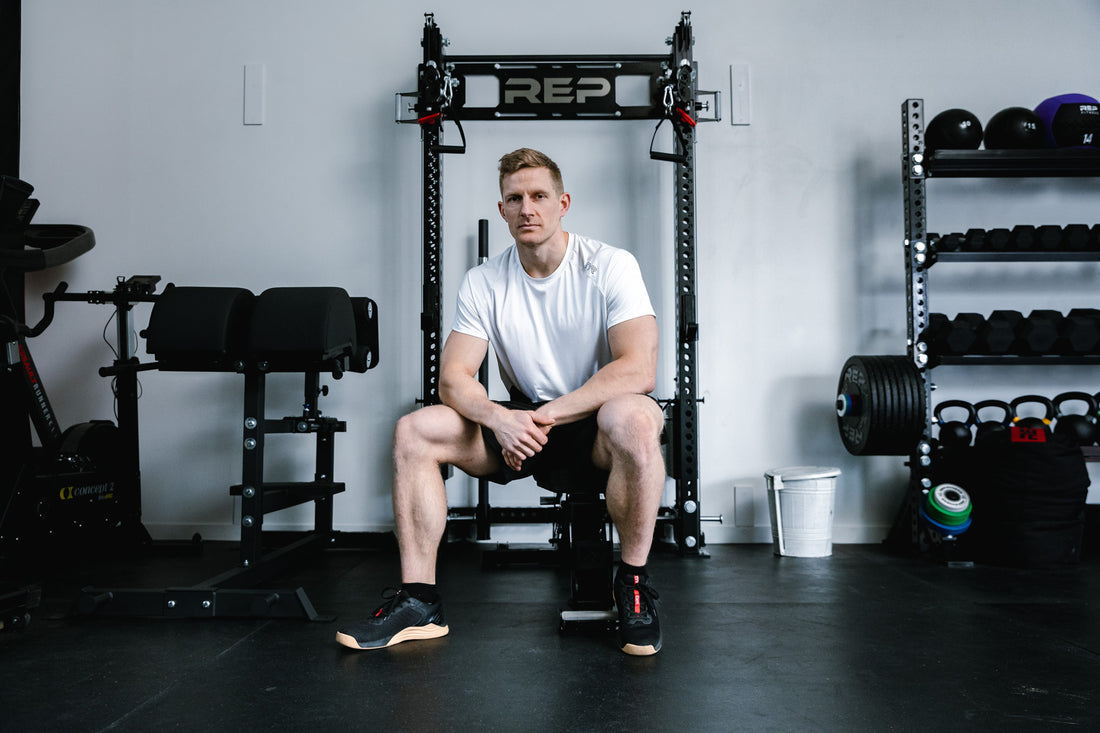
[{"x": 522, "y": 434}]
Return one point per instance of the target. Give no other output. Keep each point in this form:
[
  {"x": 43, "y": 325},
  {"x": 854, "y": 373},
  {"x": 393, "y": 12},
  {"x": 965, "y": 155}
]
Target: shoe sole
[
  {"x": 413, "y": 633},
  {"x": 637, "y": 650}
]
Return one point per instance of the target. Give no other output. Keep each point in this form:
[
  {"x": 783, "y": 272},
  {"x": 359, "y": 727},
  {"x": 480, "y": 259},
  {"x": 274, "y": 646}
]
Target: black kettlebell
[
  {"x": 989, "y": 429},
  {"x": 1078, "y": 428},
  {"x": 1033, "y": 422},
  {"x": 955, "y": 433}
]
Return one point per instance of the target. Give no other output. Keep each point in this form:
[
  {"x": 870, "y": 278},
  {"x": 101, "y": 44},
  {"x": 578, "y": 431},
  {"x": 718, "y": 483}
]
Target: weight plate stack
[
  {"x": 880, "y": 405},
  {"x": 947, "y": 509}
]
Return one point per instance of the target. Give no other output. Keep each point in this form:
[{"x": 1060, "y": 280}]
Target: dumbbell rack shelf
[
  {"x": 1059, "y": 163},
  {"x": 919, "y": 166},
  {"x": 1011, "y": 360},
  {"x": 1082, "y": 256}
]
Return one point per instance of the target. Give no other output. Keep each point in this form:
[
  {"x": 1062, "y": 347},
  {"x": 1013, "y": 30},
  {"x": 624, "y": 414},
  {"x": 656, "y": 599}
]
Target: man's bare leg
[
  {"x": 629, "y": 446},
  {"x": 423, "y": 441}
]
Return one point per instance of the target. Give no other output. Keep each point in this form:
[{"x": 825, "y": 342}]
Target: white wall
[{"x": 132, "y": 125}]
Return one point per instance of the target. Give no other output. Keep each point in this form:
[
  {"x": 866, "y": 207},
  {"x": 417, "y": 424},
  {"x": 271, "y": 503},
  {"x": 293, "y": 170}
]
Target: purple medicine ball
[{"x": 1070, "y": 121}]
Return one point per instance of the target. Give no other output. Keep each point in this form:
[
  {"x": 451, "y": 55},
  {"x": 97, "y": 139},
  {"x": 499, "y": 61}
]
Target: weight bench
[
  {"x": 580, "y": 542},
  {"x": 308, "y": 330}
]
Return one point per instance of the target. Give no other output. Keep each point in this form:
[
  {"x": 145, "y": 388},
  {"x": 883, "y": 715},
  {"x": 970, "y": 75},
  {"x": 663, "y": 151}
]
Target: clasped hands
[{"x": 522, "y": 434}]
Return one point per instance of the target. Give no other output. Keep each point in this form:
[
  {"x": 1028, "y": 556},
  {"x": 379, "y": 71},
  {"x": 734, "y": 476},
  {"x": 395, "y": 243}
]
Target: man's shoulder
[
  {"x": 600, "y": 258},
  {"x": 587, "y": 244},
  {"x": 594, "y": 250}
]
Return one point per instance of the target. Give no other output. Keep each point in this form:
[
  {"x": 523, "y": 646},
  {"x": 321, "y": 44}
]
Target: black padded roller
[
  {"x": 295, "y": 327},
  {"x": 199, "y": 328}
]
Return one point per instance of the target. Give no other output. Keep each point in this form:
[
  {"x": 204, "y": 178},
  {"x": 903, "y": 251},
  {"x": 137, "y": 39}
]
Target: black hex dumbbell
[
  {"x": 998, "y": 239},
  {"x": 960, "y": 335},
  {"x": 997, "y": 336},
  {"x": 937, "y": 325},
  {"x": 947, "y": 242},
  {"x": 1038, "y": 333},
  {"x": 975, "y": 240},
  {"x": 1075, "y": 237},
  {"x": 1079, "y": 332},
  {"x": 1048, "y": 238},
  {"x": 1022, "y": 238}
]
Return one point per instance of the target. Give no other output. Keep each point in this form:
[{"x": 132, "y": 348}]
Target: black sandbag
[{"x": 1028, "y": 498}]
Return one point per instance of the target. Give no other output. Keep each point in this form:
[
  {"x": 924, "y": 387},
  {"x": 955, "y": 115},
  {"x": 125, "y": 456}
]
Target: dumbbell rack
[{"x": 918, "y": 167}]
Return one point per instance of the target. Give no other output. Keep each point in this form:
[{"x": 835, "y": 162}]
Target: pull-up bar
[{"x": 574, "y": 87}]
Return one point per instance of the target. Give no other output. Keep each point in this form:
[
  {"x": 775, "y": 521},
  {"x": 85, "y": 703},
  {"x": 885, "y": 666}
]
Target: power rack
[{"x": 573, "y": 88}]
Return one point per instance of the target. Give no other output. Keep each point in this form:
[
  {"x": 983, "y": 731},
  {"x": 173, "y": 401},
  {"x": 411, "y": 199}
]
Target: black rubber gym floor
[{"x": 861, "y": 641}]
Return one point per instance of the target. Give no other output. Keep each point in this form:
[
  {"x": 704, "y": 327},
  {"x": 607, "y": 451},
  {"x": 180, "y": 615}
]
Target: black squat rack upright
[{"x": 581, "y": 87}]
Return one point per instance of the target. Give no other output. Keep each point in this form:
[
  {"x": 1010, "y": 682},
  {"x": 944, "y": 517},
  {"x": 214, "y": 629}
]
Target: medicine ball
[
  {"x": 953, "y": 129},
  {"x": 1070, "y": 121},
  {"x": 1015, "y": 128}
]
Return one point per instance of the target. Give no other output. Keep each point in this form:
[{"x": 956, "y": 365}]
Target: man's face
[{"x": 531, "y": 206}]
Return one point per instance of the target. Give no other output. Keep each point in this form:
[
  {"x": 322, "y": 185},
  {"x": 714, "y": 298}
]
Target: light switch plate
[
  {"x": 740, "y": 98},
  {"x": 254, "y": 94}
]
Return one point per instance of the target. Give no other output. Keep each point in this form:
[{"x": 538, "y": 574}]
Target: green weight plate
[
  {"x": 951, "y": 499},
  {"x": 938, "y": 515}
]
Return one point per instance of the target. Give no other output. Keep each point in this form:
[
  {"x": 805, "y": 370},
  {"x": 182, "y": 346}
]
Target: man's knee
[
  {"x": 416, "y": 432},
  {"x": 631, "y": 424},
  {"x": 409, "y": 429},
  {"x": 439, "y": 434}
]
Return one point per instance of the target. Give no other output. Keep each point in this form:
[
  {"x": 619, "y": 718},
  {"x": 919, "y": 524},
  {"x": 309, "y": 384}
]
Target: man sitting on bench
[{"x": 571, "y": 323}]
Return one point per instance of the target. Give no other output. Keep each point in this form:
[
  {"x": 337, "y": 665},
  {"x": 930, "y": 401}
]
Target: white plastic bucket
[{"x": 800, "y": 500}]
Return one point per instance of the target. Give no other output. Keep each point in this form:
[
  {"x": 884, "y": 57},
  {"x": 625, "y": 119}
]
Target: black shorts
[{"x": 563, "y": 464}]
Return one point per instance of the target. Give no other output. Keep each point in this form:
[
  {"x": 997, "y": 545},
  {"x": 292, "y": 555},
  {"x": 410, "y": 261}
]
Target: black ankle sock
[
  {"x": 625, "y": 570},
  {"x": 421, "y": 591}
]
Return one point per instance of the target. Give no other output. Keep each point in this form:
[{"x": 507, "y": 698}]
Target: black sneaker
[
  {"x": 400, "y": 618},
  {"x": 639, "y": 629}
]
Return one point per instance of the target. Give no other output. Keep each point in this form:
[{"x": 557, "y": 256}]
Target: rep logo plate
[{"x": 557, "y": 92}]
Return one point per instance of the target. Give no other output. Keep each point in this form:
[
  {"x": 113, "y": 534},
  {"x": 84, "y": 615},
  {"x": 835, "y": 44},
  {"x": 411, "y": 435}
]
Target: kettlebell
[
  {"x": 1033, "y": 422},
  {"x": 1077, "y": 428},
  {"x": 955, "y": 433},
  {"x": 990, "y": 429}
]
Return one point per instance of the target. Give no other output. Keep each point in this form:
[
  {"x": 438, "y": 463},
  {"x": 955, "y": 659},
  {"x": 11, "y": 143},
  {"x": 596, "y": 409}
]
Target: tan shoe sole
[{"x": 431, "y": 631}]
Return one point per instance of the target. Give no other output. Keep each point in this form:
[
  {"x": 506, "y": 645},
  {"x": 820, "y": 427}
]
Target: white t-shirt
[{"x": 550, "y": 334}]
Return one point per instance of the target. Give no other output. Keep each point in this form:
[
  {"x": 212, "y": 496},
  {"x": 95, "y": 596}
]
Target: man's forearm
[
  {"x": 614, "y": 379},
  {"x": 467, "y": 396}
]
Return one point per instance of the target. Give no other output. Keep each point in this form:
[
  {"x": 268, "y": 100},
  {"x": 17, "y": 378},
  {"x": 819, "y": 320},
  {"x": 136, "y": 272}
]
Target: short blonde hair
[{"x": 517, "y": 160}]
